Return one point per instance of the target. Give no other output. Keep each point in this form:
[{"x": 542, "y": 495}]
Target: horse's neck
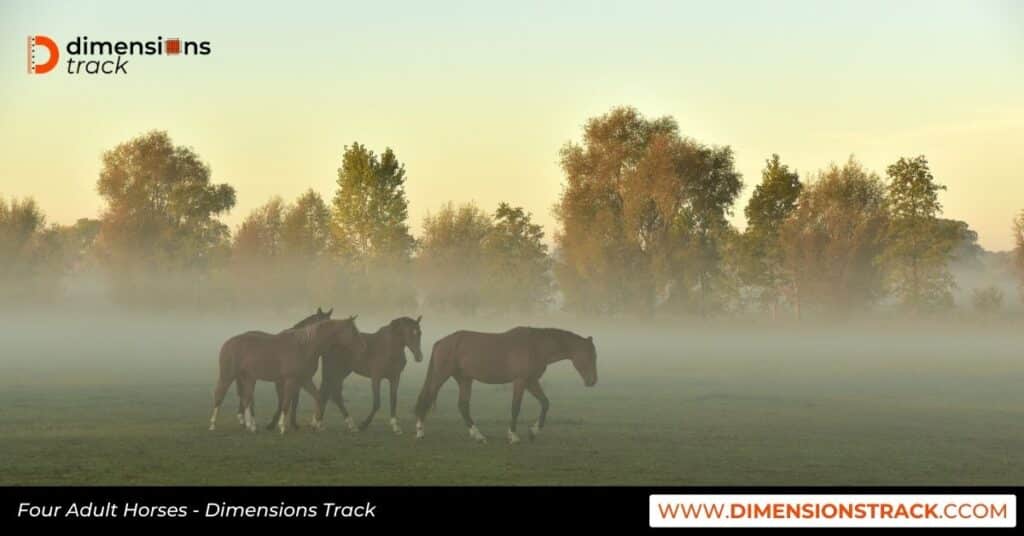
[
  {"x": 554, "y": 347},
  {"x": 388, "y": 337}
]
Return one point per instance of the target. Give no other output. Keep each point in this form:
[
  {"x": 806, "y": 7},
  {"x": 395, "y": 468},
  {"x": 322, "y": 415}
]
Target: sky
[{"x": 477, "y": 98}]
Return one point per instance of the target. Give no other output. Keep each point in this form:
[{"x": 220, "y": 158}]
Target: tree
[
  {"x": 451, "y": 257},
  {"x": 306, "y": 227},
  {"x": 370, "y": 208},
  {"x": 259, "y": 238},
  {"x": 1018, "y": 238},
  {"x": 161, "y": 210},
  {"x": 918, "y": 245},
  {"x": 769, "y": 207},
  {"x": 710, "y": 187},
  {"x": 31, "y": 251},
  {"x": 636, "y": 195},
  {"x": 832, "y": 241},
  {"x": 517, "y": 262}
]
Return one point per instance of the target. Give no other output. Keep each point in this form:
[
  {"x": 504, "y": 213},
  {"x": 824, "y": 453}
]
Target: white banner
[{"x": 833, "y": 510}]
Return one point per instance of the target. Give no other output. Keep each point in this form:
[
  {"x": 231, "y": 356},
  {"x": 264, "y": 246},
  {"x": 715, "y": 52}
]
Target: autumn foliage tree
[
  {"x": 832, "y": 241},
  {"x": 160, "y": 216},
  {"x": 642, "y": 215}
]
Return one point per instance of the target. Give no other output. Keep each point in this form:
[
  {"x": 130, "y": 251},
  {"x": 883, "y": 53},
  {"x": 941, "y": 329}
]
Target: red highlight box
[{"x": 172, "y": 46}]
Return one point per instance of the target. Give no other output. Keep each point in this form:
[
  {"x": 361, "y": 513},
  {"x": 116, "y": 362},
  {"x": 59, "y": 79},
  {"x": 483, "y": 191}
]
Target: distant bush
[{"x": 988, "y": 300}]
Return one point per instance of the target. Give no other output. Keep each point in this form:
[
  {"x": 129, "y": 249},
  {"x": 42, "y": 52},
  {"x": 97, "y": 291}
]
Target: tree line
[{"x": 643, "y": 229}]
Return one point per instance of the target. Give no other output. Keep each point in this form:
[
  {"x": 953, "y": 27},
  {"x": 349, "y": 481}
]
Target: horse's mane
[{"x": 311, "y": 319}]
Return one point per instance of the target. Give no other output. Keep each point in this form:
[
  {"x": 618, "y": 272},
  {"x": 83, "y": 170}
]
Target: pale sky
[{"x": 477, "y": 97}]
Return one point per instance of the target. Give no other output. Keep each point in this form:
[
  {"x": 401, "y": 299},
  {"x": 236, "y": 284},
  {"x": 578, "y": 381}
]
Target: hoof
[
  {"x": 241, "y": 419},
  {"x": 534, "y": 431},
  {"x": 474, "y": 433},
  {"x": 212, "y": 427},
  {"x": 513, "y": 439}
]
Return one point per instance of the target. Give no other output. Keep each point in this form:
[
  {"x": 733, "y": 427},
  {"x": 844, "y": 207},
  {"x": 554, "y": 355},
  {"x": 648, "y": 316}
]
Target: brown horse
[
  {"x": 384, "y": 358},
  {"x": 318, "y": 316},
  {"x": 290, "y": 357},
  {"x": 520, "y": 356}
]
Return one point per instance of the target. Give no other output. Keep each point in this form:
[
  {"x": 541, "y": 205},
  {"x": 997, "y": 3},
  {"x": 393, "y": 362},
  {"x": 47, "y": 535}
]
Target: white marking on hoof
[
  {"x": 419, "y": 429},
  {"x": 535, "y": 429},
  {"x": 474, "y": 433},
  {"x": 351, "y": 423},
  {"x": 394, "y": 426},
  {"x": 213, "y": 419},
  {"x": 512, "y": 438},
  {"x": 317, "y": 424},
  {"x": 250, "y": 420},
  {"x": 241, "y": 419},
  {"x": 282, "y": 424}
]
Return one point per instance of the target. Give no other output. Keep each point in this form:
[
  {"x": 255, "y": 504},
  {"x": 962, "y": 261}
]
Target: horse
[
  {"x": 290, "y": 357},
  {"x": 384, "y": 358},
  {"x": 518, "y": 356},
  {"x": 318, "y": 316}
]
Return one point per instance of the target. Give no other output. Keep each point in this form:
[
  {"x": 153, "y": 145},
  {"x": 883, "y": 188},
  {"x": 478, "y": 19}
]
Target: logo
[
  {"x": 53, "y": 51},
  {"x": 94, "y": 57}
]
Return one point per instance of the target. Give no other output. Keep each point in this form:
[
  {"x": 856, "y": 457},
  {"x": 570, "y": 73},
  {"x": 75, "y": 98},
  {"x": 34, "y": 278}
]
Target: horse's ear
[
  {"x": 329, "y": 311},
  {"x": 418, "y": 318},
  {"x": 353, "y": 317},
  {"x": 319, "y": 311},
  {"x": 591, "y": 339}
]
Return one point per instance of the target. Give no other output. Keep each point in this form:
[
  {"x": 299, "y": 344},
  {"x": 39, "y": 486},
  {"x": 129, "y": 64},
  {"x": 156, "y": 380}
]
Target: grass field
[{"x": 127, "y": 402}]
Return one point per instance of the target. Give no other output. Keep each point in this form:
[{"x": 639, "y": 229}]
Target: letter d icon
[{"x": 35, "y": 67}]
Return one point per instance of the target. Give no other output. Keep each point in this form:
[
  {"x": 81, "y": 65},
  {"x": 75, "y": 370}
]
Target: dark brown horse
[
  {"x": 384, "y": 358},
  {"x": 518, "y": 356},
  {"x": 290, "y": 357}
]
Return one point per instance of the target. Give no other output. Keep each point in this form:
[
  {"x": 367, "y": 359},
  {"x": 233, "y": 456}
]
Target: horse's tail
[
  {"x": 228, "y": 371},
  {"x": 428, "y": 395}
]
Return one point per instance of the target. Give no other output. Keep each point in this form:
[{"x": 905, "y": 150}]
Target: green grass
[{"x": 718, "y": 410}]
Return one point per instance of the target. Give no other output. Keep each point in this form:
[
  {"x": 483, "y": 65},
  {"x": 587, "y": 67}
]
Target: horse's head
[
  {"x": 584, "y": 358},
  {"x": 344, "y": 335},
  {"x": 409, "y": 333}
]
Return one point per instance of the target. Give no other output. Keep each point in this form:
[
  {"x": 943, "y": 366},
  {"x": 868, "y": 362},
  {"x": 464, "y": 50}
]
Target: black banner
[{"x": 452, "y": 509}]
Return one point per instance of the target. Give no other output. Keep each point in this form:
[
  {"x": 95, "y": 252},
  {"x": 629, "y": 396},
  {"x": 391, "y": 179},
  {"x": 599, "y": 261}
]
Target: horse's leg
[
  {"x": 291, "y": 391},
  {"x": 279, "y": 386},
  {"x": 241, "y": 404},
  {"x": 218, "y": 398},
  {"x": 375, "y": 383},
  {"x": 339, "y": 401},
  {"x": 465, "y": 391},
  {"x": 517, "y": 402},
  {"x": 310, "y": 387},
  {"x": 436, "y": 377},
  {"x": 393, "y": 385},
  {"x": 538, "y": 393},
  {"x": 248, "y": 387}
]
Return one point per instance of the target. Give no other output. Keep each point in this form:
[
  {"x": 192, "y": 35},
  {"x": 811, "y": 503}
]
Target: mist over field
[{"x": 107, "y": 396}]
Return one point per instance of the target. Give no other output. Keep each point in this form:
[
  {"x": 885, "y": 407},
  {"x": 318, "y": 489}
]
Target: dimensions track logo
[{"x": 84, "y": 56}]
